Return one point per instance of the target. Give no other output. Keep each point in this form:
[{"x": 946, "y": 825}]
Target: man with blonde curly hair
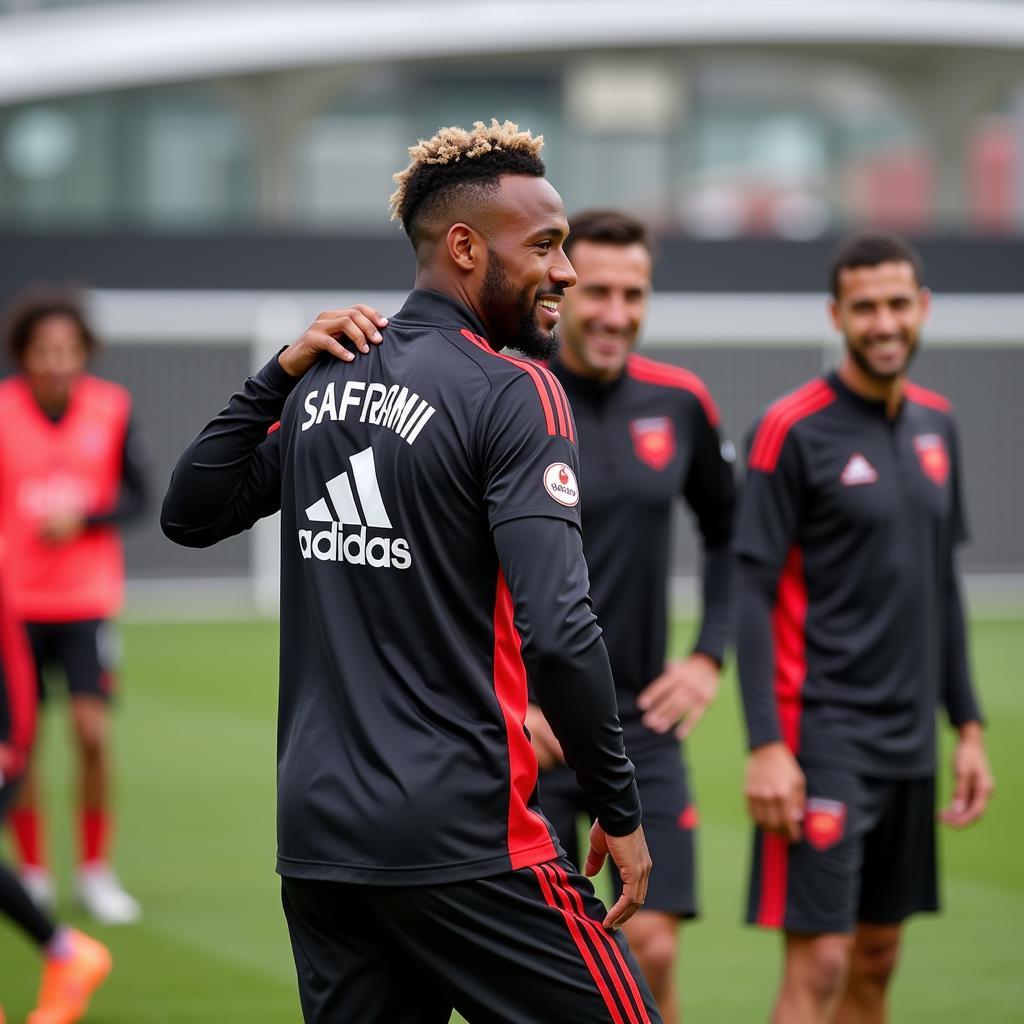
[{"x": 432, "y": 566}]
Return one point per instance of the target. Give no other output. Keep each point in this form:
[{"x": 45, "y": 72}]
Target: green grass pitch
[{"x": 196, "y": 751}]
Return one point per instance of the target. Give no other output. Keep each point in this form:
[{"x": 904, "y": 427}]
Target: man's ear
[
  {"x": 833, "y": 312},
  {"x": 925, "y": 298},
  {"x": 465, "y": 247}
]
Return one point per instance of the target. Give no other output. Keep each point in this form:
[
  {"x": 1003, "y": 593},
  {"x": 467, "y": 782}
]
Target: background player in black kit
[
  {"x": 431, "y": 564},
  {"x": 648, "y": 440},
  {"x": 850, "y": 633}
]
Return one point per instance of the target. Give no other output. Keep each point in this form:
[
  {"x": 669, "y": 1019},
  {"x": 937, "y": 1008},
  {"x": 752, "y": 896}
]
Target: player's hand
[
  {"x": 775, "y": 790},
  {"x": 973, "y": 784},
  {"x": 678, "y": 698},
  {"x": 545, "y": 744},
  {"x": 61, "y": 527},
  {"x": 633, "y": 860},
  {"x": 360, "y": 324}
]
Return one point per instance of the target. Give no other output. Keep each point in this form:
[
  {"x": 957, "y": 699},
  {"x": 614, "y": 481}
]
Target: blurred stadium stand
[{"x": 218, "y": 173}]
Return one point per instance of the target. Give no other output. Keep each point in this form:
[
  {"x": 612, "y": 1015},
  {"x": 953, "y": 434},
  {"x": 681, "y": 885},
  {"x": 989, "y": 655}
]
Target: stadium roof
[{"x": 93, "y": 48}]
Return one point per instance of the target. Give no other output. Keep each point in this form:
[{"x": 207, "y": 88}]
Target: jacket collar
[
  {"x": 586, "y": 388},
  {"x": 425, "y": 306},
  {"x": 868, "y": 406}
]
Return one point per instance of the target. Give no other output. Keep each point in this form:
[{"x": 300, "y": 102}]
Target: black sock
[{"x": 18, "y": 906}]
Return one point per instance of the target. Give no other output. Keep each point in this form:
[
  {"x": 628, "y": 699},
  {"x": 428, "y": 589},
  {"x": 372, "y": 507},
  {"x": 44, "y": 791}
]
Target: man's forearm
[
  {"x": 716, "y": 626},
  {"x": 591, "y": 741},
  {"x": 755, "y": 650},
  {"x": 958, "y": 692},
  {"x": 566, "y": 661},
  {"x": 223, "y": 482}
]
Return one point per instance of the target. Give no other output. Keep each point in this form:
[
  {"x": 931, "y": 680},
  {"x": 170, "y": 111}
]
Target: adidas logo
[
  {"x": 858, "y": 471},
  {"x": 356, "y": 547}
]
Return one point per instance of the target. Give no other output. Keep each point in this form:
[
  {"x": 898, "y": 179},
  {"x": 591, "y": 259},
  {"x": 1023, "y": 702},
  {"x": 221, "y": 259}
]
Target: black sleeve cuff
[
  {"x": 755, "y": 651},
  {"x": 615, "y": 826},
  {"x": 274, "y": 377},
  {"x": 959, "y": 695},
  {"x": 761, "y": 733},
  {"x": 717, "y": 592},
  {"x": 714, "y": 653}
]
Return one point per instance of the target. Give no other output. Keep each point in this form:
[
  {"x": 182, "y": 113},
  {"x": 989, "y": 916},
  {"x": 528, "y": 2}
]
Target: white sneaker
[
  {"x": 39, "y": 884},
  {"x": 103, "y": 898}
]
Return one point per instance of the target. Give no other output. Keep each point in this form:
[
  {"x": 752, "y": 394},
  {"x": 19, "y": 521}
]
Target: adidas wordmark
[{"x": 355, "y": 546}]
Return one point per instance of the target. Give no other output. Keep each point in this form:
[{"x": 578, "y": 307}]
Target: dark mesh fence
[{"x": 176, "y": 388}]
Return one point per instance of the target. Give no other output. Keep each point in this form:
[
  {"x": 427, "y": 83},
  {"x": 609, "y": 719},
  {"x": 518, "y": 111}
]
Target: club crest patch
[
  {"x": 560, "y": 483},
  {"x": 654, "y": 441},
  {"x": 824, "y": 822},
  {"x": 931, "y": 451}
]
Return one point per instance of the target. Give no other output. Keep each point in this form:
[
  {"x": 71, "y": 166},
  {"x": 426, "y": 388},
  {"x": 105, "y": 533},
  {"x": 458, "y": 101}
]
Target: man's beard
[
  {"x": 511, "y": 317},
  {"x": 864, "y": 365}
]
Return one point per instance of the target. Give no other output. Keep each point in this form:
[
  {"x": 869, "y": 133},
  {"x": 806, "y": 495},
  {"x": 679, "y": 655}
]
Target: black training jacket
[
  {"x": 647, "y": 439},
  {"x": 431, "y": 563},
  {"x": 850, "y": 627}
]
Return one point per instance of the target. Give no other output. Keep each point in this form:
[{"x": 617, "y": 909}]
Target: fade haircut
[
  {"x": 607, "y": 227},
  {"x": 32, "y": 308},
  {"x": 454, "y": 165},
  {"x": 869, "y": 249}
]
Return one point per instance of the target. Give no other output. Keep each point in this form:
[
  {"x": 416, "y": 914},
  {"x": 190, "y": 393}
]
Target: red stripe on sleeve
[
  {"x": 651, "y": 372},
  {"x": 780, "y": 419},
  {"x": 273, "y": 426},
  {"x": 530, "y": 368},
  {"x": 560, "y": 408},
  {"x": 534, "y": 373},
  {"x": 563, "y": 399},
  {"x": 529, "y": 841},
  {"x": 923, "y": 396}
]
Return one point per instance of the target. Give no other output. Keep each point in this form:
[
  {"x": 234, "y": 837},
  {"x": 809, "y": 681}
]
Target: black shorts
[
  {"x": 670, "y": 817},
  {"x": 525, "y": 947},
  {"x": 867, "y": 856},
  {"x": 86, "y": 651}
]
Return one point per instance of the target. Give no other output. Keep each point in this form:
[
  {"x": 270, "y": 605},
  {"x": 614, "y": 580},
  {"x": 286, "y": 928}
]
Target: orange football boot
[{"x": 69, "y": 983}]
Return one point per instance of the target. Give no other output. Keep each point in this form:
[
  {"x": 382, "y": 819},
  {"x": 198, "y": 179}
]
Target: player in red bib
[{"x": 71, "y": 471}]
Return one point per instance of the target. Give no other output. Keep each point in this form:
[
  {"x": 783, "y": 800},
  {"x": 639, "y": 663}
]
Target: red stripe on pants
[
  {"x": 605, "y": 938},
  {"x": 771, "y": 910},
  {"x": 574, "y": 930}
]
